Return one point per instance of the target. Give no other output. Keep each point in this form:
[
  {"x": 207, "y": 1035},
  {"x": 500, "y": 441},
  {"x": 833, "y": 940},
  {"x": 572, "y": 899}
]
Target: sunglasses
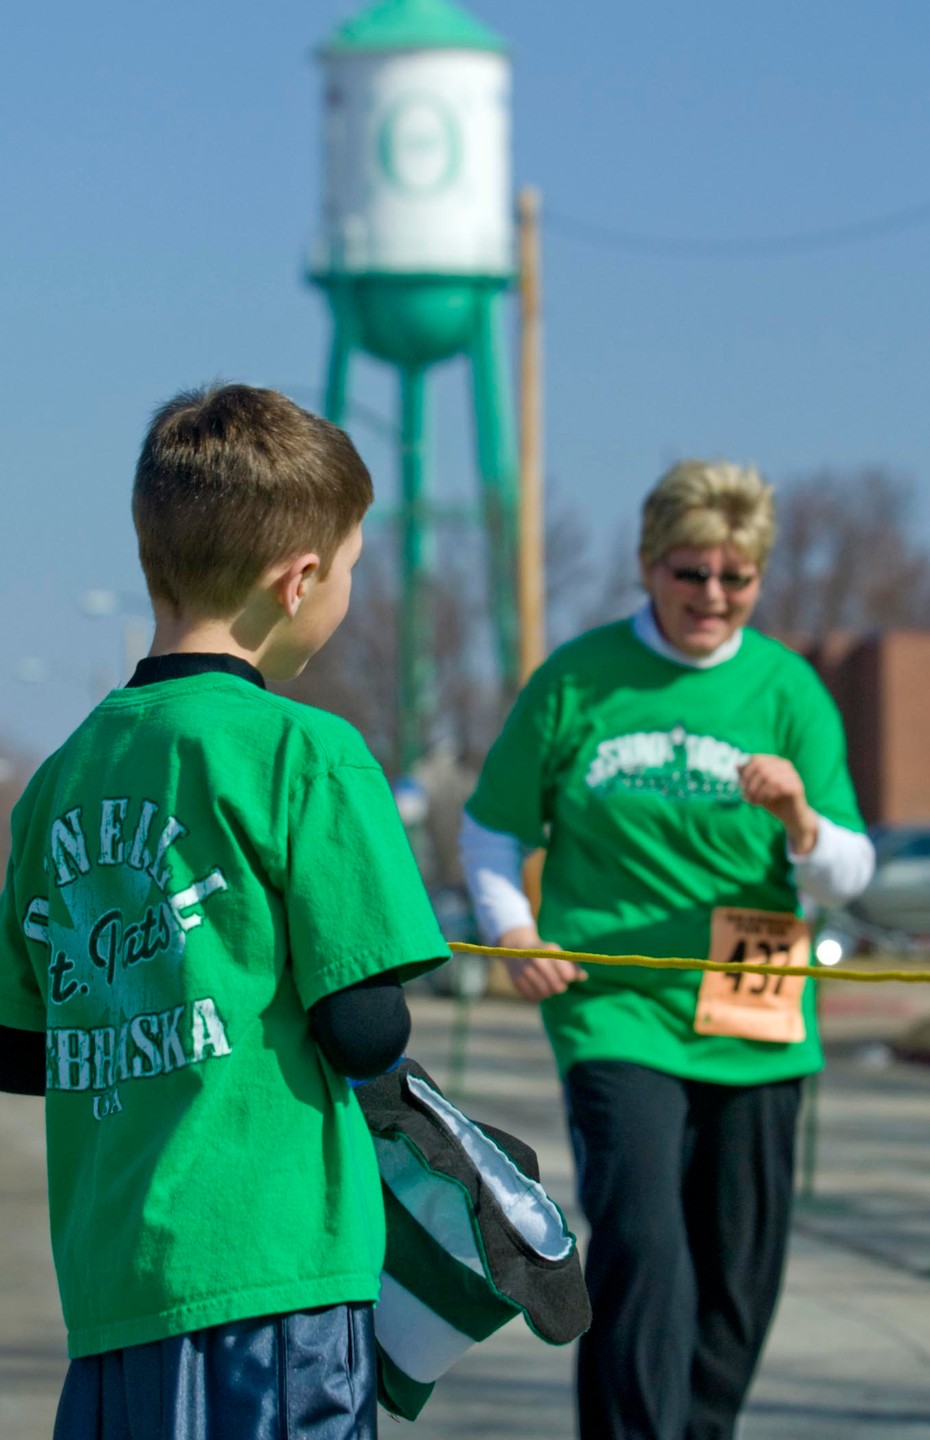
[{"x": 700, "y": 574}]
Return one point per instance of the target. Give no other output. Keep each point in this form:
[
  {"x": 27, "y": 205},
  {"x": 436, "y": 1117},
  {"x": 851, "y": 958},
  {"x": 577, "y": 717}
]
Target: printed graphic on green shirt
[
  {"x": 670, "y": 763},
  {"x": 114, "y": 881}
]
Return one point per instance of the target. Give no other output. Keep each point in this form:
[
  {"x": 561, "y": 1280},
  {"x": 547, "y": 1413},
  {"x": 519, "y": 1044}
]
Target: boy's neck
[{"x": 179, "y": 635}]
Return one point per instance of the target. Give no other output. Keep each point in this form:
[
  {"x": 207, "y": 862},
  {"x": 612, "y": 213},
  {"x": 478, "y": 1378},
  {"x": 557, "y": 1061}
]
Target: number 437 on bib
[{"x": 747, "y": 1006}]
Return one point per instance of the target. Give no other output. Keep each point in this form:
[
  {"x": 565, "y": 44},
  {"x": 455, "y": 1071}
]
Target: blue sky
[{"x": 160, "y": 173}]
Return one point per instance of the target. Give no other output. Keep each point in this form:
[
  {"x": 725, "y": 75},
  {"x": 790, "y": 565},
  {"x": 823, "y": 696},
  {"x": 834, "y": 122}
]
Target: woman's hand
[
  {"x": 537, "y": 977},
  {"x": 773, "y": 783}
]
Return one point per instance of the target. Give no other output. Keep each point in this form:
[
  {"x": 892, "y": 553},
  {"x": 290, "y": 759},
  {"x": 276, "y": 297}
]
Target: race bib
[{"x": 754, "y": 1007}]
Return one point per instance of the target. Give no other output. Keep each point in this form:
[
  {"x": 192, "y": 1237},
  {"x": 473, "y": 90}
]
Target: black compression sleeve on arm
[
  {"x": 22, "y": 1061},
  {"x": 363, "y": 1029}
]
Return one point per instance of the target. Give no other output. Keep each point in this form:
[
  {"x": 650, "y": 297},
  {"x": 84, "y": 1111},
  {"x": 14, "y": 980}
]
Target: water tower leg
[
  {"x": 497, "y": 465},
  {"x": 339, "y": 353},
  {"x": 417, "y": 641}
]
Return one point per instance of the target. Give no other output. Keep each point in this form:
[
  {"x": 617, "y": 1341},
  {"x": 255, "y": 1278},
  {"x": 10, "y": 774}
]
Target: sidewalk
[
  {"x": 849, "y": 1356},
  {"x": 32, "y": 1342}
]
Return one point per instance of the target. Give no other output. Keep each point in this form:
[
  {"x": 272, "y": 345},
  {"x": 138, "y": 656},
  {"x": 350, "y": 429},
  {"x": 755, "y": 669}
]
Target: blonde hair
[
  {"x": 232, "y": 479},
  {"x": 703, "y": 503}
]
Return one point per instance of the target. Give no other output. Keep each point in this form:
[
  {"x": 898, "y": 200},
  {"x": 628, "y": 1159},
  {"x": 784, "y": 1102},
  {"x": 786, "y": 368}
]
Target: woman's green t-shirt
[
  {"x": 623, "y": 764},
  {"x": 199, "y": 864}
]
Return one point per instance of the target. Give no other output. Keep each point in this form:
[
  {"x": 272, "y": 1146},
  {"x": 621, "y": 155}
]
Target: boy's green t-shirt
[
  {"x": 197, "y": 866},
  {"x": 624, "y": 765}
]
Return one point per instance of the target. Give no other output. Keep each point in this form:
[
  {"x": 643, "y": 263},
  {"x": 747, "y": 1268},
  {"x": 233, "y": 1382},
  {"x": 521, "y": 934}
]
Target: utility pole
[
  {"x": 531, "y": 552},
  {"x": 531, "y": 559}
]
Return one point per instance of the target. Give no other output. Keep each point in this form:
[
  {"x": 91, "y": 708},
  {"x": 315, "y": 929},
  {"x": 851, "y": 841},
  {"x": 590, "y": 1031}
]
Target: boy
[{"x": 209, "y": 908}]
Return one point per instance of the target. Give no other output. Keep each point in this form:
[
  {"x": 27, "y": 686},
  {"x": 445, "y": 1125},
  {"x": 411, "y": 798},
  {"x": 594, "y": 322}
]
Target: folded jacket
[{"x": 472, "y": 1238}]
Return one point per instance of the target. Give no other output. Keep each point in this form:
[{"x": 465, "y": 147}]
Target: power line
[{"x": 831, "y": 237}]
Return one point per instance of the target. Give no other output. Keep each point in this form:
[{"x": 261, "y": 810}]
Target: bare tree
[
  {"x": 580, "y": 589},
  {"x": 620, "y": 591},
  {"x": 570, "y": 577},
  {"x": 846, "y": 558},
  {"x": 356, "y": 674}
]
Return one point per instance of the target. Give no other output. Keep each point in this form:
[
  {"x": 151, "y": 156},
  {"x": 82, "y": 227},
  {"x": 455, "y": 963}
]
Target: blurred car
[
  {"x": 893, "y": 911},
  {"x": 898, "y": 895}
]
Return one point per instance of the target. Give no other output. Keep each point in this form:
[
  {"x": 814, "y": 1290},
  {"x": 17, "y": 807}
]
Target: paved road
[
  {"x": 849, "y": 1356},
  {"x": 32, "y": 1344}
]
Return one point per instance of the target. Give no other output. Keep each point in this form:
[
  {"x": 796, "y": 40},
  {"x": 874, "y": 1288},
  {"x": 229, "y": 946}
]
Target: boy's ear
[{"x": 292, "y": 583}]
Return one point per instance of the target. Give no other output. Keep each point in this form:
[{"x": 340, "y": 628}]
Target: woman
[{"x": 687, "y": 778}]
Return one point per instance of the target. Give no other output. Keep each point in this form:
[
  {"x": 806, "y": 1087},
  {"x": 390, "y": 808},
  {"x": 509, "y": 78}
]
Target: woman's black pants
[{"x": 687, "y": 1188}]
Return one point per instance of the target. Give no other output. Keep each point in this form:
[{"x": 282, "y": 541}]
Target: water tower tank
[
  {"x": 417, "y": 202},
  {"x": 416, "y": 257}
]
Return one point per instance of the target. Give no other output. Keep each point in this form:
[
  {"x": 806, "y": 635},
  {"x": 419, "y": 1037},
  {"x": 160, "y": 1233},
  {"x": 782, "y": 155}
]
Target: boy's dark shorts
[{"x": 306, "y": 1376}]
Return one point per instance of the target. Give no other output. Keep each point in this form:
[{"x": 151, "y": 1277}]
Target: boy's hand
[
  {"x": 538, "y": 977},
  {"x": 772, "y": 782}
]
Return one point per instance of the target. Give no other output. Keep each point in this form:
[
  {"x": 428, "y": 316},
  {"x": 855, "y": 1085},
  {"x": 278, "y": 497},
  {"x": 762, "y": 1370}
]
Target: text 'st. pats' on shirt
[{"x": 199, "y": 864}]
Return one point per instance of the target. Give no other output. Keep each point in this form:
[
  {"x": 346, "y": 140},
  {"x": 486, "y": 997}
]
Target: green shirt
[
  {"x": 195, "y": 867},
  {"x": 624, "y": 765}
]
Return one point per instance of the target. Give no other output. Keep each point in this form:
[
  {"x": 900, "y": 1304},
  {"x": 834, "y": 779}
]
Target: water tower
[{"x": 415, "y": 256}]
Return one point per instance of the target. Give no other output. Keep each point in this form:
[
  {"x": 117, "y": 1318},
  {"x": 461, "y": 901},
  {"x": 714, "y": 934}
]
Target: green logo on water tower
[{"x": 420, "y": 144}]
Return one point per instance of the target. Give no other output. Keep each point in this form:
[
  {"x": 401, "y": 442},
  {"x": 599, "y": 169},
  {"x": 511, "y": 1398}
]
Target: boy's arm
[
  {"x": 22, "y": 1061},
  {"x": 363, "y": 1029}
]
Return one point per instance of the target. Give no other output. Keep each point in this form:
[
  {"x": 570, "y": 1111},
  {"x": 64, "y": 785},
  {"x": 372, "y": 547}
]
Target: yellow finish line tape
[{"x": 742, "y": 967}]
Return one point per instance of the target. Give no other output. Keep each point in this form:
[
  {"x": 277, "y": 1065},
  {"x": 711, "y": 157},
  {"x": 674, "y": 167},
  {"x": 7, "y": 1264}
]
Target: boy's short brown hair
[{"x": 232, "y": 479}]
